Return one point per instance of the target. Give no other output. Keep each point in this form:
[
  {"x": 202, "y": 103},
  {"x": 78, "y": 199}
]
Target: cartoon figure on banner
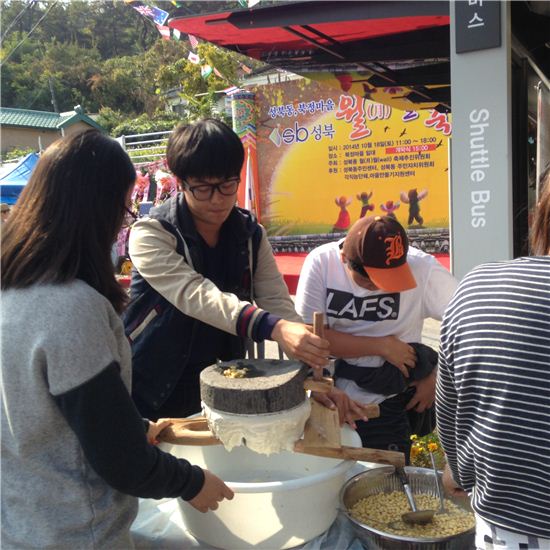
[
  {"x": 413, "y": 198},
  {"x": 166, "y": 186},
  {"x": 365, "y": 197},
  {"x": 389, "y": 207},
  {"x": 343, "y": 221}
]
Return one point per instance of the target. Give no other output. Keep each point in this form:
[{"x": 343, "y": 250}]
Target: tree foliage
[
  {"x": 105, "y": 56},
  {"x": 143, "y": 124}
]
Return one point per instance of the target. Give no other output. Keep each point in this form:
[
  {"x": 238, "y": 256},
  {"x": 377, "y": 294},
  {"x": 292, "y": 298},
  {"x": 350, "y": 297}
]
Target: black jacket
[{"x": 164, "y": 340}]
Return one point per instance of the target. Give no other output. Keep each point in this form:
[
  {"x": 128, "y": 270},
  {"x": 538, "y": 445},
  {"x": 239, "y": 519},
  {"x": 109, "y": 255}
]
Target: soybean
[{"x": 379, "y": 511}]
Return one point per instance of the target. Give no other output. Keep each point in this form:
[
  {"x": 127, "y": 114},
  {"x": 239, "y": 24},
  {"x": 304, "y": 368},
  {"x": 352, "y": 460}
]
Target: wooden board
[
  {"x": 322, "y": 427},
  {"x": 395, "y": 458},
  {"x": 269, "y": 386}
]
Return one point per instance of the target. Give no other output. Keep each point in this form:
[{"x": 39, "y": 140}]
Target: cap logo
[{"x": 394, "y": 248}]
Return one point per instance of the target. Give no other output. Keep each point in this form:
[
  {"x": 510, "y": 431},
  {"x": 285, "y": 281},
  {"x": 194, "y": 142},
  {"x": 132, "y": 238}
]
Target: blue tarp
[{"x": 13, "y": 182}]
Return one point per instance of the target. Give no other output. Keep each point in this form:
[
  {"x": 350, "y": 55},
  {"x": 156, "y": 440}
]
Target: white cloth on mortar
[{"x": 261, "y": 433}]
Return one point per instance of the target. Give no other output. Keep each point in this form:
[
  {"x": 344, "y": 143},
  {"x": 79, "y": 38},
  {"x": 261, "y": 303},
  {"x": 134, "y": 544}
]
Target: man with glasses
[
  {"x": 376, "y": 292},
  {"x": 201, "y": 263}
]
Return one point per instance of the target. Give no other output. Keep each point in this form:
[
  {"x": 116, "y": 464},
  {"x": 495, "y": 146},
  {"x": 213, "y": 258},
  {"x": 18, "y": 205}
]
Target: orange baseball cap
[{"x": 380, "y": 244}]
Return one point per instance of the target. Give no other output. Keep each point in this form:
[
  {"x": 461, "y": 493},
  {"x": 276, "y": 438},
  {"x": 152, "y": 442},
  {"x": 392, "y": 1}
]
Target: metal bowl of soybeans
[{"x": 374, "y": 502}]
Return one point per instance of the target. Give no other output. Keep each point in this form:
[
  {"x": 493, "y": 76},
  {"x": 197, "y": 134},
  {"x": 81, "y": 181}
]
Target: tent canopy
[
  {"x": 398, "y": 49},
  {"x": 13, "y": 182},
  {"x": 392, "y": 51}
]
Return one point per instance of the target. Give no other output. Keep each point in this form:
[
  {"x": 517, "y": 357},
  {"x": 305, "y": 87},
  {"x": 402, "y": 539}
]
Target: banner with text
[{"x": 327, "y": 158}]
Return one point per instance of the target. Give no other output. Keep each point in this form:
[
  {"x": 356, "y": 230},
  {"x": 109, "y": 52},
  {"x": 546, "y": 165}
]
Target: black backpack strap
[{"x": 253, "y": 248}]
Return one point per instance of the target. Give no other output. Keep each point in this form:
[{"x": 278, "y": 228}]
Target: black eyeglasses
[
  {"x": 204, "y": 192},
  {"x": 358, "y": 268}
]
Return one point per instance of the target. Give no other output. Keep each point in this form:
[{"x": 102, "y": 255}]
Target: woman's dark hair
[
  {"x": 539, "y": 235},
  {"x": 68, "y": 216},
  {"x": 205, "y": 149}
]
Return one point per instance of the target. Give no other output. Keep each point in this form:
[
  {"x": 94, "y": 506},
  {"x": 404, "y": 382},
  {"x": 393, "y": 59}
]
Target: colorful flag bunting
[
  {"x": 151, "y": 12},
  {"x": 176, "y": 34},
  {"x": 246, "y": 69},
  {"x": 206, "y": 71},
  {"x": 194, "y": 58},
  {"x": 217, "y": 73},
  {"x": 164, "y": 32},
  {"x": 243, "y": 3},
  {"x": 253, "y": 3},
  {"x": 193, "y": 41}
]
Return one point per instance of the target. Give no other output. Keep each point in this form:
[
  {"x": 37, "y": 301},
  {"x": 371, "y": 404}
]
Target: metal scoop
[
  {"x": 416, "y": 516},
  {"x": 438, "y": 485}
]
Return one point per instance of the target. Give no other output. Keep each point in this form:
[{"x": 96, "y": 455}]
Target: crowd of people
[{"x": 90, "y": 375}]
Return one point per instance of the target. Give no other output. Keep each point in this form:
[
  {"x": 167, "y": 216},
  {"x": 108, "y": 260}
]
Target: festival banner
[{"x": 327, "y": 158}]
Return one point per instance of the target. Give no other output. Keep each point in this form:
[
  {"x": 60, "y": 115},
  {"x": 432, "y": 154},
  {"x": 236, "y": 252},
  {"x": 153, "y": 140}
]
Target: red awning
[
  {"x": 389, "y": 44},
  {"x": 258, "y": 42}
]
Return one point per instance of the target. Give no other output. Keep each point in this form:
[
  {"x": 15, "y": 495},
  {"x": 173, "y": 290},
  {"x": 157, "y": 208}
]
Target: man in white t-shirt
[{"x": 375, "y": 293}]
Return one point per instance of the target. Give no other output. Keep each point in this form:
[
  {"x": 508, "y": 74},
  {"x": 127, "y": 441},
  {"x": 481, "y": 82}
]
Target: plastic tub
[{"x": 281, "y": 500}]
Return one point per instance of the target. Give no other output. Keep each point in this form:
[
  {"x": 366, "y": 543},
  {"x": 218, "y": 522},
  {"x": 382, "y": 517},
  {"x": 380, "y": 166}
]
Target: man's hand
[
  {"x": 450, "y": 485},
  {"x": 424, "y": 396},
  {"x": 299, "y": 342},
  {"x": 398, "y": 353},
  {"x": 213, "y": 491},
  {"x": 348, "y": 409}
]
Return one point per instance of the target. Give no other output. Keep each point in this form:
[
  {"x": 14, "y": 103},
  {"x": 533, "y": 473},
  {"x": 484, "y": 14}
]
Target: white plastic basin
[{"x": 281, "y": 500}]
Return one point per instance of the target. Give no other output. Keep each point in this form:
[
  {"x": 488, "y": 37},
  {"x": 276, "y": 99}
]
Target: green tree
[
  {"x": 118, "y": 84},
  {"x": 36, "y": 67},
  {"x": 202, "y": 93},
  {"x": 129, "y": 84},
  {"x": 105, "y": 56},
  {"x": 110, "y": 26},
  {"x": 19, "y": 86},
  {"x": 70, "y": 68},
  {"x": 159, "y": 122}
]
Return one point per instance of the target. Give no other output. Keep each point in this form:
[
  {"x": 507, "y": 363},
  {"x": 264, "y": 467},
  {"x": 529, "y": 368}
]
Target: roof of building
[{"x": 46, "y": 120}]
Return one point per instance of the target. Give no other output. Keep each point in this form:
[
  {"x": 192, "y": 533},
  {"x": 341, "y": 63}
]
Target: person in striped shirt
[{"x": 493, "y": 393}]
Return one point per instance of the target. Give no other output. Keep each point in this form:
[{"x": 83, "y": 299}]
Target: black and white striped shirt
[{"x": 493, "y": 392}]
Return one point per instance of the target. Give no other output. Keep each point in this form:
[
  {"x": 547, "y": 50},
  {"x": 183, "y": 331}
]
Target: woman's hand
[
  {"x": 398, "y": 353},
  {"x": 155, "y": 428},
  {"x": 298, "y": 342},
  {"x": 348, "y": 409},
  {"x": 212, "y": 493}
]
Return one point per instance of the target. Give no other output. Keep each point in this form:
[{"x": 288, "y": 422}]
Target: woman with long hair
[{"x": 75, "y": 452}]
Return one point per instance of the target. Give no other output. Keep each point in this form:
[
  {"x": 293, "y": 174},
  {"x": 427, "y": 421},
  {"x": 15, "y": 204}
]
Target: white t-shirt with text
[{"x": 326, "y": 285}]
